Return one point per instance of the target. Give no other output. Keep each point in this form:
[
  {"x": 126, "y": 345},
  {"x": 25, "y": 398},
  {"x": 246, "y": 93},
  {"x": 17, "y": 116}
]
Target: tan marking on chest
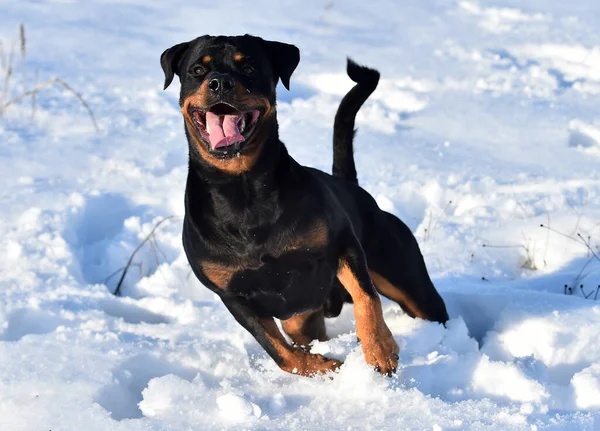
[
  {"x": 218, "y": 273},
  {"x": 221, "y": 274},
  {"x": 316, "y": 237}
]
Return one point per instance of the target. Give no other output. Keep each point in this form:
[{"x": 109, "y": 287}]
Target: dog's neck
[{"x": 255, "y": 193}]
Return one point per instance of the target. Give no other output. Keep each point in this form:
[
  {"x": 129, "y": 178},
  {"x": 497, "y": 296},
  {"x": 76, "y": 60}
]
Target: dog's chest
[
  {"x": 294, "y": 282},
  {"x": 285, "y": 275}
]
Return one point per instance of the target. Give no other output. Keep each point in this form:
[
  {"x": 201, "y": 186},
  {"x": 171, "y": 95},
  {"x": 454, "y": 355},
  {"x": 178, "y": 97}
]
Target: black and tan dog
[{"x": 278, "y": 240}]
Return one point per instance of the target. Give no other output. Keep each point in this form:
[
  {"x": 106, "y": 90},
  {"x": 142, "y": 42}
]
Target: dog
[{"x": 272, "y": 238}]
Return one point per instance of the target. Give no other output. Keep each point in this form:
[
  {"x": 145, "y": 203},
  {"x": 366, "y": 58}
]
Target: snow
[{"x": 485, "y": 126}]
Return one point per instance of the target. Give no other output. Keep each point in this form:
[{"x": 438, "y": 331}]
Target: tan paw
[
  {"x": 309, "y": 364},
  {"x": 382, "y": 353}
]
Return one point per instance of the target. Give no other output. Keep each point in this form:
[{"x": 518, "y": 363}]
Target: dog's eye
[
  {"x": 248, "y": 70},
  {"x": 199, "y": 71}
]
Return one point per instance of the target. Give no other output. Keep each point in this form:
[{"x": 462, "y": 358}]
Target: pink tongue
[{"x": 223, "y": 130}]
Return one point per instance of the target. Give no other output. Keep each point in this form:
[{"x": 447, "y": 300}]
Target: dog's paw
[
  {"x": 309, "y": 365},
  {"x": 382, "y": 353}
]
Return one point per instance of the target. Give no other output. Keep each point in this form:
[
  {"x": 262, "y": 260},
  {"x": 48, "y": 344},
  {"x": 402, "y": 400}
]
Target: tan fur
[
  {"x": 395, "y": 294},
  {"x": 378, "y": 344},
  {"x": 249, "y": 155},
  {"x": 218, "y": 273},
  {"x": 306, "y": 327},
  {"x": 295, "y": 360},
  {"x": 221, "y": 274},
  {"x": 316, "y": 237}
]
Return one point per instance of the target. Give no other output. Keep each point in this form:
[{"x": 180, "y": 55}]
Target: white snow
[{"x": 485, "y": 125}]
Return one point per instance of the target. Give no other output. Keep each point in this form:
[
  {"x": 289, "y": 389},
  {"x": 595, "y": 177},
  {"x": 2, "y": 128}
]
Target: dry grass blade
[
  {"x": 61, "y": 83},
  {"x": 504, "y": 246},
  {"x": 2, "y": 56},
  {"x": 34, "y": 96},
  {"x": 117, "y": 291},
  {"x": 112, "y": 274},
  {"x": 587, "y": 244},
  {"x": 22, "y": 40},
  {"x": 572, "y": 238},
  {"x": 8, "y": 67}
]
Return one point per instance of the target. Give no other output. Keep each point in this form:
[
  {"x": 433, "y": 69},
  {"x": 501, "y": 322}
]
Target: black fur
[
  {"x": 259, "y": 223},
  {"x": 343, "y": 127}
]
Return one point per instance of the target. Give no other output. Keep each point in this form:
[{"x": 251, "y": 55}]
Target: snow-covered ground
[{"x": 485, "y": 125}]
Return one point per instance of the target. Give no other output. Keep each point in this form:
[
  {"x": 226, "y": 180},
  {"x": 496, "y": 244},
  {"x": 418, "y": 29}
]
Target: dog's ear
[
  {"x": 170, "y": 60},
  {"x": 284, "y": 60}
]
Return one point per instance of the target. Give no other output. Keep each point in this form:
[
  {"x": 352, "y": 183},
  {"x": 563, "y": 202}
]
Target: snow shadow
[
  {"x": 22, "y": 322},
  {"x": 102, "y": 242},
  {"x": 121, "y": 397},
  {"x": 526, "y": 330},
  {"x": 297, "y": 91},
  {"x": 126, "y": 309}
]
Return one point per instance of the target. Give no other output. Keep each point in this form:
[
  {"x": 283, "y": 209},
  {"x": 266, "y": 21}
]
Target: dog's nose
[{"x": 222, "y": 83}]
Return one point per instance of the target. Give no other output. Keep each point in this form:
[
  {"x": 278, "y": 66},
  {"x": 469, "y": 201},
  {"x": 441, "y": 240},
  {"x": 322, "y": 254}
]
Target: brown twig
[
  {"x": 580, "y": 276},
  {"x": 160, "y": 250},
  {"x": 432, "y": 224},
  {"x": 588, "y": 295},
  {"x": 504, "y": 246},
  {"x": 23, "y": 40},
  {"x": 34, "y": 96},
  {"x": 112, "y": 274},
  {"x": 428, "y": 228},
  {"x": 47, "y": 84},
  {"x": 137, "y": 265},
  {"x": 440, "y": 216},
  {"x": 2, "y": 56},
  {"x": 572, "y": 238},
  {"x": 587, "y": 244},
  {"x": 7, "y": 75},
  {"x": 117, "y": 291},
  {"x": 529, "y": 258},
  {"x": 547, "y": 241}
]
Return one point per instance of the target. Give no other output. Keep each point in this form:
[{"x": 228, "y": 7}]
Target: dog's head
[{"x": 228, "y": 94}]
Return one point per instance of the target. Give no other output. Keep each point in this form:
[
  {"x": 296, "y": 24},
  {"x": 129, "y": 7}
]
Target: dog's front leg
[
  {"x": 378, "y": 344},
  {"x": 266, "y": 332}
]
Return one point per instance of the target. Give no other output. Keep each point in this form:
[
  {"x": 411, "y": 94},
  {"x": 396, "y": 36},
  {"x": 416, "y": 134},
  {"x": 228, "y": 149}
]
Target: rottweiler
[{"x": 272, "y": 238}]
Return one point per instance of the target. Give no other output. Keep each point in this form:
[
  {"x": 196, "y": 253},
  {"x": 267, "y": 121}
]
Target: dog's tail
[{"x": 343, "y": 127}]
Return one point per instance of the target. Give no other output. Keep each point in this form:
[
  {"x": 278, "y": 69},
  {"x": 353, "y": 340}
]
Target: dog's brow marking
[
  {"x": 238, "y": 56},
  {"x": 206, "y": 59},
  {"x": 396, "y": 294}
]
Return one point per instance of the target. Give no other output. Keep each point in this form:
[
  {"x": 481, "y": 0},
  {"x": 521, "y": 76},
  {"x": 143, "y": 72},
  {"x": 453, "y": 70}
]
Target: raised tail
[{"x": 343, "y": 127}]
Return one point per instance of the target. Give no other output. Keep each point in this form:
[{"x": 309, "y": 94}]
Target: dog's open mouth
[{"x": 223, "y": 126}]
